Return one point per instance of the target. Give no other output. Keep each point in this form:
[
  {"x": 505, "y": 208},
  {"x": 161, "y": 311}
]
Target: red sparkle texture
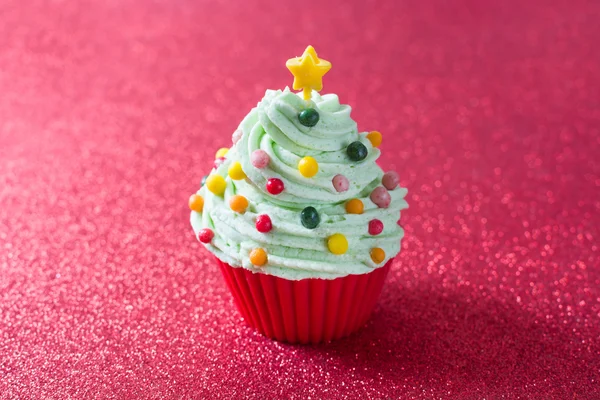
[{"x": 111, "y": 113}]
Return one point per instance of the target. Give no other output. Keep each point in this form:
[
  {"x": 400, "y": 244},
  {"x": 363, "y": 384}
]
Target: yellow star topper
[{"x": 308, "y": 71}]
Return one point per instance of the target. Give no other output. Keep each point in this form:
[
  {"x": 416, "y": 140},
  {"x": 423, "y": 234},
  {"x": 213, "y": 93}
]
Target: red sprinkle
[
  {"x": 375, "y": 227},
  {"x": 263, "y": 223},
  {"x": 206, "y": 235},
  {"x": 275, "y": 186}
]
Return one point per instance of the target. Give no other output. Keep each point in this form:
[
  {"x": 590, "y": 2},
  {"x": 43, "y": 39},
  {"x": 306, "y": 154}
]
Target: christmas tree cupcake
[{"x": 302, "y": 221}]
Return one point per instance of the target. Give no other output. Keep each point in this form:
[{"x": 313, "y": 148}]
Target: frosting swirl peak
[{"x": 295, "y": 251}]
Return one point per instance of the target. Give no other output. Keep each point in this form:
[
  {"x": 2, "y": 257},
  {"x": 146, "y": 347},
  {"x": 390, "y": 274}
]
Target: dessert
[{"x": 300, "y": 218}]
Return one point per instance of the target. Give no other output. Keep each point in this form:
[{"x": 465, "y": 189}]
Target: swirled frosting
[{"x": 295, "y": 252}]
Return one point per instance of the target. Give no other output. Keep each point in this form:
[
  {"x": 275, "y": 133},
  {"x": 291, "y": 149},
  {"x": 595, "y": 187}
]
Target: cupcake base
[{"x": 308, "y": 310}]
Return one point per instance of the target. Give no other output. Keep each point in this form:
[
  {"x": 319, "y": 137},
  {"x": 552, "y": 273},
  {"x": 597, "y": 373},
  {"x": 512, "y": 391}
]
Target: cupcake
[{"x": 302, "y": 222}]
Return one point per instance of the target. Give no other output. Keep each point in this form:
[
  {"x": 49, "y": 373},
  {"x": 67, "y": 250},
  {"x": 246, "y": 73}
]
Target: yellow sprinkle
[
  {"x": 216, "y": 184},
  {"x": 235, "y": 171},
  {"x": 308, "y": 167},
  {"x": 337, "y": 244},
  {"x": 221, "y": 152}
]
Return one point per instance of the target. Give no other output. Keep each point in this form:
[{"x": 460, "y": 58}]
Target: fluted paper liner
[{"x": 308, "y": 310}]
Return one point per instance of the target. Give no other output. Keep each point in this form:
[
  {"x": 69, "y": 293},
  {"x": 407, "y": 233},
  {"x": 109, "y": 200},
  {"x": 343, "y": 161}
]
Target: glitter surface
[{"x": 111, "y": 111}]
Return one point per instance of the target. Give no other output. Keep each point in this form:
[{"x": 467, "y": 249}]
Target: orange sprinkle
[
  {"x": 196, "y": 203},
  {"x": 355, "y": 206},
  {"x": 377, "y": 255},
  {"x": 375, "y": 138},
  {"x": 258, "y": 257},
  {"x": 238, "y": 203}
]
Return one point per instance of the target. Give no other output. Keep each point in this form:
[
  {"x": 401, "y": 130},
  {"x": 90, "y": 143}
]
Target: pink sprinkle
[
  {"x": 219, "y": 161},
  {"x": 340, "y": 183},
  {"x": 237, "y": 135},
  {"x": 381, "y": 197},
  {"x": 390, "y": 180},
  {"x": 260, "y": 159}
]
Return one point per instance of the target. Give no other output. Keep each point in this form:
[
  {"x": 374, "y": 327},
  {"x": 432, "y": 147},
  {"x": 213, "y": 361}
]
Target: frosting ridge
[{"x": 294, "y": 251}]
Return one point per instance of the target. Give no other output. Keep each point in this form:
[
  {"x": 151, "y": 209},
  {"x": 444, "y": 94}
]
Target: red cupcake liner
[{"x": 305, "y": 311}]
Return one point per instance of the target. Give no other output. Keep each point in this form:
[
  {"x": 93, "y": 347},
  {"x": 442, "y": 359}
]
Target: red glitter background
[{"x": 110, "y": 113}]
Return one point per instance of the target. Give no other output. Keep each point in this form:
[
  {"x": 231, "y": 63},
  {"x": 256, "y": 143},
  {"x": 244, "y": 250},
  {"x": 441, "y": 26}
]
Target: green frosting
[{"x": 295, "y": 252}]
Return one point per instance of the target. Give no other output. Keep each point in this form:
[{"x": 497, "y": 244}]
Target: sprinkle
[
  {"x": 258, "y": 257},
  {"x": 275, "y": 186},
  {"x": 222, "y": 152},
  {"x": 355, "y": 206},
  {"x": 206, "y": 235},
  {"x": 308, "y": 167},
  {"x": 263, "y": 223},
  {"x": 238, "y": 203},
  {"x": 375, "y": 138},
  {"x": 196, "y": 203},
  {"x": 337, "y": 244},
  {"x": 308, "y": 71},
  {"x": 381, "y": 197},
  {"x": 235, "y": 171},
  {"x": 340, "y": 183},
  {"x": 309, "y": 217},
  {"x": 259, "y": 159},
  {"x": 375, "y": 227},
  {"x": 377, "y": 255},
  {"x": 390, "y": 180},
  {"x": 237, "y": 135},
  {"x": 309, "y": 117},
  {"x": 357, "y": 151},
  {"x": 219, "y": 161},
  {"x": 216, "y": 184}
]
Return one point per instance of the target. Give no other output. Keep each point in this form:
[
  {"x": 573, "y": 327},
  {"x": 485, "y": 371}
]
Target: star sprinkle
[{"x": 308, "y": 71}]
